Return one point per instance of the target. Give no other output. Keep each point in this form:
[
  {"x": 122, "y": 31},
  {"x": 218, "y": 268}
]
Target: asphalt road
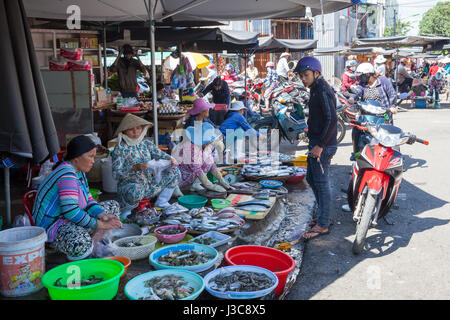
[{"x": 407, "y": 260}]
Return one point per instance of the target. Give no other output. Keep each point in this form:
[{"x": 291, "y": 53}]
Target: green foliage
[
  {"x": 401, "y": 29},
  {"x": 436, "y": 21},
  {"x": 113, "y": 82}
]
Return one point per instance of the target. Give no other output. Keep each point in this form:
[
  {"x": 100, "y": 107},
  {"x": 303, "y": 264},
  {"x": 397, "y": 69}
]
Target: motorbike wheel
[
  {"x": 341, "y": 129},
  {"x": 363, "y": 225}
]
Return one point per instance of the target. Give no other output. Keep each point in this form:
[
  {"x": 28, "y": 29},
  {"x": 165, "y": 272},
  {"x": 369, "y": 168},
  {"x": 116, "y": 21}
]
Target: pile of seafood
[
  {"x": 145, "y": 217},
  {"x": 206, "y": 219},
  {"x": 257, "y": 191},
  {"x": 168, "y": 287},
  {"x": 171, "y": 230},
  {"x": 275, "y": 157},
  {"x": 184, "y": 258},
  {"x": 205, "y": 240},
  {"x": 266, "y": 170},
  {"x": 241, "y": 281},
  {"x": 92, "y": 279},
  {"x": 131, "y": 244}
]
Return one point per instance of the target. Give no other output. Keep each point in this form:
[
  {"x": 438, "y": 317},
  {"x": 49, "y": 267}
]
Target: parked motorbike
[
  {"x": 290, "y": 127},
  {"x": 376, "y": 177}
]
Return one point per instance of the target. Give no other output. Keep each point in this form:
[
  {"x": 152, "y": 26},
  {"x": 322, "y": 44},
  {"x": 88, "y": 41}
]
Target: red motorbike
[{"x": 376, "y": 177}]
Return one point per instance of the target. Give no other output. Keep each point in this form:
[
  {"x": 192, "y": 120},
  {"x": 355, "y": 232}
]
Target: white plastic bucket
[
  {"x": 22, "y": 260},
  {"x": 109, "y": 183}
]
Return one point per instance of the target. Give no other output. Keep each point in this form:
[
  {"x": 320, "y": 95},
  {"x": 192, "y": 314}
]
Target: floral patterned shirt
[{"x": 124, "y": 157}]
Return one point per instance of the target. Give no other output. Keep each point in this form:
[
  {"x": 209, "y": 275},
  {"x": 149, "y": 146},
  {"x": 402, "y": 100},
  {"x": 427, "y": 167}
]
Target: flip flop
[
  {"x": 317, "y": 232},
  {"x": 314, "y": 222}
]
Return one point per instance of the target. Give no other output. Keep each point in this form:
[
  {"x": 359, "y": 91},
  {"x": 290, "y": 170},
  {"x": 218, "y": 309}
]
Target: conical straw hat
[{"x": 131, "y": 121}]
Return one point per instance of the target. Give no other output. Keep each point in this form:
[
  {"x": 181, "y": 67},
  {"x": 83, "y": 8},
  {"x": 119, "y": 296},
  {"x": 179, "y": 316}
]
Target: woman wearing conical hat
[{"x": 135, "y": 180}]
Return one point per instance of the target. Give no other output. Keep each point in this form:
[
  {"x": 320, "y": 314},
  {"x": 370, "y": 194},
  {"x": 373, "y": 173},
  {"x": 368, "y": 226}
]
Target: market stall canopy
[
  {"x": 225, "y": 40},
  {"x": 344, "y": 50},
  {"x": 27, "y": 129},
  {"x": 445, "y": 60},
  {"x": 401, "y": 41},
  {"x": 182, "y": 10},
  {"x": 271, "y": 44}
]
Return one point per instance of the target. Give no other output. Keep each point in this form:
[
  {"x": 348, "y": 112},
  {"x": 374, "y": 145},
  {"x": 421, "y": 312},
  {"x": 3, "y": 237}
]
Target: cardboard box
[
  {"x": 84, "y": 42},
  {"x": 93, "y": 58},
  {"x": 93, "y": 43},
  {"x": 69, "y": 43},
  {"x": 101, "y": 96}
]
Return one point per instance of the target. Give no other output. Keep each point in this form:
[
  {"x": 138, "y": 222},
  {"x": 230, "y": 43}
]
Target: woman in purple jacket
[{"x": 372, "y": 87}]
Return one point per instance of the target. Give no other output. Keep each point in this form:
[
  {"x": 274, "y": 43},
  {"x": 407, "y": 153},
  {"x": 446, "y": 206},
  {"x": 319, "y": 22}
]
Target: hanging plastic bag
[
  {"x": 130, "y": 102},
  {"x": 158, "y": 166},
  {"x": 103, "y": 246},
  {"x": 21, "y": 220}
]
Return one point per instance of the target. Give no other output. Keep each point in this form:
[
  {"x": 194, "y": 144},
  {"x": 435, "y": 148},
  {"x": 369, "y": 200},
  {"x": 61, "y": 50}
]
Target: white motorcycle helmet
[{"x": 365, "y": 68}]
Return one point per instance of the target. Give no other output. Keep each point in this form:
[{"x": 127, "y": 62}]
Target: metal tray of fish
[
  {"x": 230, "y": 282},
  {"x": 173, "y": 252},
  {"x": 211, "y": 238}
]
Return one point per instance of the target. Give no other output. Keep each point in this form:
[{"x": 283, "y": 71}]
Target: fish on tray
[
  {"x": 263, "y": 195},
  {"x": 184, "y": 258},
  {"x": 254, "y": 207},
  {"x": 264, "y": 203}
]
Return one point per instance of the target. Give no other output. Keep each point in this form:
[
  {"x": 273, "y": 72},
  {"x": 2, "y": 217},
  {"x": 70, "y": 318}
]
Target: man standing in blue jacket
[{"x": 322, "y": 135}]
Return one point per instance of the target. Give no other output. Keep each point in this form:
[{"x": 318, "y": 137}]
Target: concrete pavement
[{"x": 407, "y": 260}]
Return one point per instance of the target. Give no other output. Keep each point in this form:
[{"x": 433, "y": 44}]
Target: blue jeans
[{"x": 320, "y": 183}]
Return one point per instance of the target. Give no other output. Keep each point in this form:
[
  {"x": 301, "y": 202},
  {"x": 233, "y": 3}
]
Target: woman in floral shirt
[{"x": 135, "y": 180}]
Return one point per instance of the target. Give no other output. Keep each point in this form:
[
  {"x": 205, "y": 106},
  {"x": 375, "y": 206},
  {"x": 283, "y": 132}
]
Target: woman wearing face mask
[
  {"x": 349, "y": 78},
  {"x": 372, "y": 86},
  {"x": 64, "y": 207}
]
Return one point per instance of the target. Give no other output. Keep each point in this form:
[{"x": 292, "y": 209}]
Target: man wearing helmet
[
  {"x": 404, "y": 79},
  {"x": 270, "y": 83},
  {"x": 322, "y": 135},
  {"x": 348, "y": 77}
]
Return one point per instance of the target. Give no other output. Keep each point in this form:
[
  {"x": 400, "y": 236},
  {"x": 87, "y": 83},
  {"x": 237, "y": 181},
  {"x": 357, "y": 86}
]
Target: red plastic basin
[{"x": 274, "y": 260}]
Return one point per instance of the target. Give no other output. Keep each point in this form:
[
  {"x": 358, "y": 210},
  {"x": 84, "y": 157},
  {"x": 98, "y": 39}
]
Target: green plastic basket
[
  {"x": 192, "y": 201},
  {"x": 109, "y": 270}
]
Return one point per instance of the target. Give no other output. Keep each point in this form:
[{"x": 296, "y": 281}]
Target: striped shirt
[{"x": 64, "y": 197}]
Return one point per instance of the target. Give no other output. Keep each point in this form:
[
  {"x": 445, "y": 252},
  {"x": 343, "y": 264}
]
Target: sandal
[
  {"x": 314, "y": 222},
  {"x": 318, "y": 233}
]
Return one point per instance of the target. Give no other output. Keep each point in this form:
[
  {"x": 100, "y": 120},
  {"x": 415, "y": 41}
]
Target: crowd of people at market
[
  {"x": 67, "y": 210},
  {"x": 419, "y": 78}
]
